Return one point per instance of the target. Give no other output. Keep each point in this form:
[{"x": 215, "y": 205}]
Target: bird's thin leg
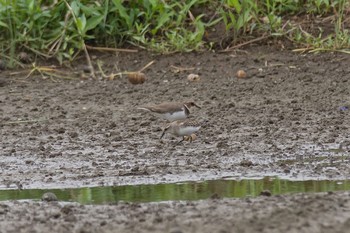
[
  {"x": 162, "y": 134},
  {"x": 181, "y": 141}
]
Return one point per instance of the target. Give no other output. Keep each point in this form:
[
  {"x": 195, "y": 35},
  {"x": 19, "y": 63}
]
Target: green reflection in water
[{"x": 180, "y": 191}]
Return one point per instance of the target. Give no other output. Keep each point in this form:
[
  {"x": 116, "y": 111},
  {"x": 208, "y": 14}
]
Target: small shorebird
[
  {"x": 184, "y": 128},
  {"x": 171, "y": 111}
]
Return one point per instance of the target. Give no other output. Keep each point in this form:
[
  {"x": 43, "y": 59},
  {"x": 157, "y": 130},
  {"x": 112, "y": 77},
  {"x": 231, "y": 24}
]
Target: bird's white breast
[
  {"x": 175, "y": 116},
  {"x": 187, "y": 130}
]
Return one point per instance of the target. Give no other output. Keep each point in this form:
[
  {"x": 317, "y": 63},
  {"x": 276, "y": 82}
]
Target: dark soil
[{"x": 289, "y": 118}]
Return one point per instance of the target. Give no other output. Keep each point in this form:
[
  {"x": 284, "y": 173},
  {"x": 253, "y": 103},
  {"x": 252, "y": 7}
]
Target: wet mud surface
[
  {"x": 298, "y": 213},
  {"x": 289, "y": 118}
]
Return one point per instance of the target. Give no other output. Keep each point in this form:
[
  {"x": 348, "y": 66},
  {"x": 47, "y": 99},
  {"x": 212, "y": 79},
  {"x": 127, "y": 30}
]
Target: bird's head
[{"x": 191, "y": 104}]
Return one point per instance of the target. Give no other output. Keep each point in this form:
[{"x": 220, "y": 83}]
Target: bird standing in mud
[
  {"x": 184, "y": 128},
  {"x": 171, "y": 111}
]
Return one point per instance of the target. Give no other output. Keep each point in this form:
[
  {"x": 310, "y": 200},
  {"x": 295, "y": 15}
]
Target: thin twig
[
  {"x": 17, "y": 62},
  {"x": 146, "y": 66},
  {"x": 245, "y": 43},
  {"x": 57, "y": 44},
  {"x": 111, "y": 49},
  {"x": 92, "y": 70},
  {"x": 37, "y": 52},
  {"x": 49, "y": 71},
  {"x": 181, "y": 68}
]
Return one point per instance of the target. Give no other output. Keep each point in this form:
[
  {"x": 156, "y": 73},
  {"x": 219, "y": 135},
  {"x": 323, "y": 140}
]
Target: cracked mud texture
[{"x": 288, "y": 118}]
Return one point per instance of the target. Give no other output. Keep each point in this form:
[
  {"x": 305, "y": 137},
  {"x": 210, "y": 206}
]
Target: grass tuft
[{"x": 63, "y": 29}]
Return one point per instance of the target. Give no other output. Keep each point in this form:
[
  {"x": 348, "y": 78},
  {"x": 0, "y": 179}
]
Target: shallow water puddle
[{"x": 180, "y": 191}]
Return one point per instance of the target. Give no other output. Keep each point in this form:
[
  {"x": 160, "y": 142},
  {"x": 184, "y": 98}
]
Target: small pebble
[
  {"x": 24, "y": 57},
  {"x": 136, "y": 77},
  {"x": 266, "y": 193},
  {"x": 241, "y": 74},
  {"x": 193, "y": 77},
  {"x": 49, "y": 197}
]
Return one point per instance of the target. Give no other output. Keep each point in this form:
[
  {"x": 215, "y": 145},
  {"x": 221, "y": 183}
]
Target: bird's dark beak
[{"x": 196, "y": 105}]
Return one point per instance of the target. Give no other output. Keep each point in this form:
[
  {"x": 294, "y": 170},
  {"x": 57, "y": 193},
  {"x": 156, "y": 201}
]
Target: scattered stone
[
  {"x": 29, "y": 162},
  {"x": 73, "y": 134},
  {"x": 266, "y": 193},
  {"x": 61, "y": 130},
  {"x": 24, "y": 57},
  {"x": 70, "y": 218},
  {"x": 103, "y": 223},
  {"x": 86, "y": 68},
  {"x": 241, "y": 74},
  {"x": 215, "y": 196},
  {"x": 286, "y": 170},
  {"x": 136, "y": 77},
  {"x": 193, "y": 77},
  {"x": 221, "y": 144},
  {"x": 48, "y": 197},
  {"x": 55, "y": 215},
  {"x": 67, "y": 209},
  {"x": 246, "y": 163},
  {"x": 4, "y": 208}
]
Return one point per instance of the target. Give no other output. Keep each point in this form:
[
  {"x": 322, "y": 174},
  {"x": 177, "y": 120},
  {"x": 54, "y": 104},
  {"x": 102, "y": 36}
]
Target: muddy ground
[{"x": 289, "y": 118}]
